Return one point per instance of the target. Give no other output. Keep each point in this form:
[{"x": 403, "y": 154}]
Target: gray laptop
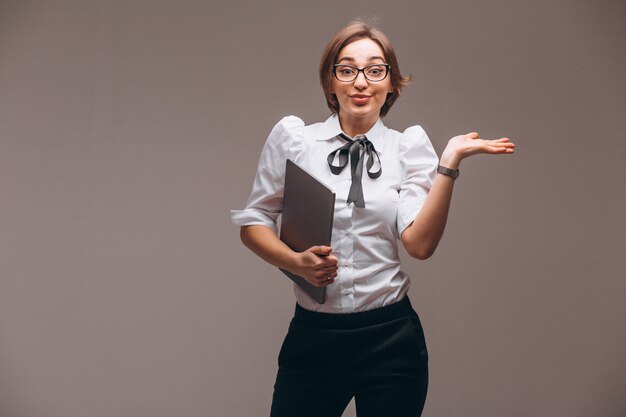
[{"x": 307, "y": 219}]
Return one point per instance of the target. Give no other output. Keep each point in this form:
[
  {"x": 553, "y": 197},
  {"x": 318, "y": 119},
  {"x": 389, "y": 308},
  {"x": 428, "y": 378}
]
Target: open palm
[{"x": 462, "y": 146}]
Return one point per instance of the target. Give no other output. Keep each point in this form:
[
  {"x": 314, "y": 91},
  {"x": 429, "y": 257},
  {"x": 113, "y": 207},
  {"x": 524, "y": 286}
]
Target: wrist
[
  {"x": 449, "y": 160},
  {"x": 294, "y": 261},
  {"x": 452, "y": 173}
]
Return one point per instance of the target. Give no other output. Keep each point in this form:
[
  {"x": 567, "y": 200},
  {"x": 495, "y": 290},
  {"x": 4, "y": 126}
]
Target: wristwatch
[{"x": 452, "y": 173}]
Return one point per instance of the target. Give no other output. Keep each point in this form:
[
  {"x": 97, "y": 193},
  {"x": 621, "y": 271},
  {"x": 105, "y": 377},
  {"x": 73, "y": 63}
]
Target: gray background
[{"x": 128, "y": 129}]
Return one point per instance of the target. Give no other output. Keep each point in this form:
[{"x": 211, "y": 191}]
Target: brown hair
[{"x": 353, "y": 31}]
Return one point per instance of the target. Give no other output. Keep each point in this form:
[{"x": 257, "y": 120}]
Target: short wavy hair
[{"x": 353, "y": 31}]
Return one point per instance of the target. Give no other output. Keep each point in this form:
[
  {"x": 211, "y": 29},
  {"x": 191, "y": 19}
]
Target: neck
[{"x": 353, "y": 126}]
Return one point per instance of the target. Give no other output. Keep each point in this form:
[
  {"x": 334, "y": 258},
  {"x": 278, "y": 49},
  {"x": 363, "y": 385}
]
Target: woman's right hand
[{"x": 317, "y": 266}]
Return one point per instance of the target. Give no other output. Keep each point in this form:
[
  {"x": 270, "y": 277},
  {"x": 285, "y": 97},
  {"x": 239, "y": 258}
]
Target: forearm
[
  {"x": 264, "y": 242},
  {"x": 316, "y": 264},
  {"x": 423, "y": 235}
]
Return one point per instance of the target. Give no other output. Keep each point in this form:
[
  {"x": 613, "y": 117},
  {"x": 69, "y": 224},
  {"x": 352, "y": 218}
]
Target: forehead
[{"x": 361, "y": 50}]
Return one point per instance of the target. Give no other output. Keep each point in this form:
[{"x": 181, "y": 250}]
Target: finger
[
  {"x": 505, "y": 146},
  {"x": 331, "y": 260},
  {"x": 321, "y": 265},
  {"x": 494, "y": 150},
  {"x": 324, "y": 271},
  {"x": 499, "y": 147},
  {"x": 324, "y": 280},
  {"x": 329, "y": 265},
  {"x": 328, "y": 276},
  {"x": 321, "y": 250},
  {"x": 330, "y": 271},
  {"x": 499, "y": 142},
  {"x": 473, "y": 135}
]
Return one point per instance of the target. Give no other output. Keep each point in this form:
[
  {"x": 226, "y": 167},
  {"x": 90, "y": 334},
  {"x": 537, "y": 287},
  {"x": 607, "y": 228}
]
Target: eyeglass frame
[{"x": 387, "y": 66}]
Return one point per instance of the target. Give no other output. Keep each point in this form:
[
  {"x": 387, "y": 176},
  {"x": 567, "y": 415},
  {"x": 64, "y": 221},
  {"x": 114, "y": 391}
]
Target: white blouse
[{"x": 365, "y": 240}]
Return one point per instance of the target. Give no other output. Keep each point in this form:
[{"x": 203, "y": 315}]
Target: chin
[
  {"x": 364, "y": 112},
  {"x": 359, "y": 110}
]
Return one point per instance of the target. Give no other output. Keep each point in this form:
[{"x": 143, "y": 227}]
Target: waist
[{"x": 399, "y": 309}]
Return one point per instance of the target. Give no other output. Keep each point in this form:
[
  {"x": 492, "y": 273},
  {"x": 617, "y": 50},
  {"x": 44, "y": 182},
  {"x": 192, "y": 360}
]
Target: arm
[
  {"x": 316, "y": 264},
  {"x": 258, "y": 219},
  {"x": 423, "y": 235}
]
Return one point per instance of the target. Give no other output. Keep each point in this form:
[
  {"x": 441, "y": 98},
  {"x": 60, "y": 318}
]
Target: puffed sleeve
[
  {"x": 266, "y": 199},
  {"x": 419, "y": 166}
]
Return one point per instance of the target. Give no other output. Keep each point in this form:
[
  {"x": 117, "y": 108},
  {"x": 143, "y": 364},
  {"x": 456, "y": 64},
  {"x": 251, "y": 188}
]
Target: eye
[
  {"x": 344, "y": 70},
  {"x": 377, "y": 70}
]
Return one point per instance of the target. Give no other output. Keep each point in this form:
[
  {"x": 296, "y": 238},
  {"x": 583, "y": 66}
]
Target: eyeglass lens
[{"x": 374, "y": 72}]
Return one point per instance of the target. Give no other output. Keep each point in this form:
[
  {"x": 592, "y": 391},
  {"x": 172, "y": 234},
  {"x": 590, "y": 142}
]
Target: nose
[{"x": 360, "y": 81}]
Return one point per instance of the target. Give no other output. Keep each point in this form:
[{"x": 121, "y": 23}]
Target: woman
[{"x": 366, "y": 340}]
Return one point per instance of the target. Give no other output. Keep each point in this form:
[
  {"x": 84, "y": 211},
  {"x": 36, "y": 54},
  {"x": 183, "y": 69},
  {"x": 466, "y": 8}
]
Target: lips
[{"x": 360, "y": 98}]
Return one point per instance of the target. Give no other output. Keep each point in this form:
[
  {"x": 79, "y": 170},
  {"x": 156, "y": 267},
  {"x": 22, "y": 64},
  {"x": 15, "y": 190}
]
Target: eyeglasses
[{"x": 348, "y": 73}]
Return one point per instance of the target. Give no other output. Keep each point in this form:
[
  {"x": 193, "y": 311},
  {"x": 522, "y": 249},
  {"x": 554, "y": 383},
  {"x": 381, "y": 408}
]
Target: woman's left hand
[{"x": 462, "y": 146}]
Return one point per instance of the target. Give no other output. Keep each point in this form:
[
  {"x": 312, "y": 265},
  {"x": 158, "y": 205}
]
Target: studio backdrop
[{"x": 129, "y": 129}]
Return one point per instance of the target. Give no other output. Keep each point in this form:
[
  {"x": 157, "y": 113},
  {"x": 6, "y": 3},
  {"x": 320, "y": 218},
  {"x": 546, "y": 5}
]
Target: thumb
[
  {"x": 473, "y": 135},
  {"x": 321, "y": 250}
]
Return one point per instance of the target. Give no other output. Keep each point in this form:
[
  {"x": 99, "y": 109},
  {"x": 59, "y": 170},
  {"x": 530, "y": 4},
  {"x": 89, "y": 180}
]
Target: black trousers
[{"x": 377, "y": 356}]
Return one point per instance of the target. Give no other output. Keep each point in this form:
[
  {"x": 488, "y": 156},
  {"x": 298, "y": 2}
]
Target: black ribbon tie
[{"x": 352, "y": 150}]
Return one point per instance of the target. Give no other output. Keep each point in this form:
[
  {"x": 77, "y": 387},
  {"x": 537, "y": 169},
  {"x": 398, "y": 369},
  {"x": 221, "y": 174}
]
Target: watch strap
[{"x": 452, "y": 173}]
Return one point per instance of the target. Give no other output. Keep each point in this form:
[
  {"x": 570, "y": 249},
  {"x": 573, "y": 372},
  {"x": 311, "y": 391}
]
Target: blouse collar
[{"x": 331, "y": 128}]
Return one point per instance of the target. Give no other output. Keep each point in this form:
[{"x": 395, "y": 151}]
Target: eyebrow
[{"x": 350, "y": 59}]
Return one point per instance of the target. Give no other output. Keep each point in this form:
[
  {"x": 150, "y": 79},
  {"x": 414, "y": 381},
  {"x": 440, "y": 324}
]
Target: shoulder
[
  {"x": 414, "y": 133},
  {"x": 413, "y": 138},
  {"x": 291, "y": 131},
  {"x": 415, "y": 148},
  {"x": 285, "y": 137},
  {"x": 287, "y": 128}
]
